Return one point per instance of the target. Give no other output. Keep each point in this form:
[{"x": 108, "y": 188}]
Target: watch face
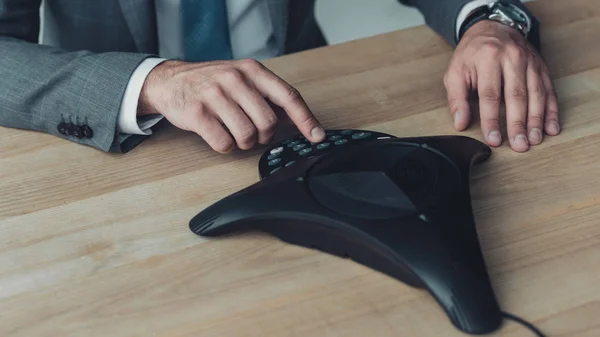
[
  {"x": 514, "y": 13},
  {"x": 511, "y": 15}
]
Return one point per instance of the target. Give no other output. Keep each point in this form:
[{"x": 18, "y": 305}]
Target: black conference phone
[{"x": 400, "y": 206}]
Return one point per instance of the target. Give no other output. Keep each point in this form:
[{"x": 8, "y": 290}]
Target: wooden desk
[{"x": 93, "y": 244}]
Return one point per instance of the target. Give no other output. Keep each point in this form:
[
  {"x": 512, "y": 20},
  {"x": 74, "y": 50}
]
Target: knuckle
[
  {"x": 247, "y": 135},
  {"x": 453, "y": 100},
  {"x": 491, "y": 120},
  {"x": 515, "y": 52},
  {"x": 269, "y": 125},
  {"x": 308, "y": 121},
  {"x": 492, "y": 47},
  {"x": 214, "y": 90},
  {"x": 538, "y": 91},
  {"x": 249, "y": 64},
  {"x": 451, "y": 77},
  {"x": 455, "y": 106},
  {"x": 552, "y": 111},
  {"x": 536, "y": 119},
  {"x": 293, "y": 95},
  {"x": 519, "y": 94},
  {"x": 232, "y": 76},
  {"x": 491, "y": 95},
  {"x": 223, "y": 145},
  {"x": 518, "y": 125}
]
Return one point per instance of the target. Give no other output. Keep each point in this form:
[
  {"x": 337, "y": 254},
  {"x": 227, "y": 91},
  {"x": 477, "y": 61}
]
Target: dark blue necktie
[{"x": 205, "y": 30}]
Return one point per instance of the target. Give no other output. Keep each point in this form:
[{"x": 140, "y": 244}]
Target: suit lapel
[
  {"x": 140, "y": 16},
  {"x": 279, "y": 16}
]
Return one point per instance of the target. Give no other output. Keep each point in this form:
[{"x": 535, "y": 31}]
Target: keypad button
[
  {"x": 294, "y": 143},
  {"x": 361, "y": 135},
  {"x": 275, "y": 170},
  {"x": 286, "y": 142},
  {"x": 273, "y": 156},
  {"x": 323, "y": 146},
  {"x": 290, "y": 163},
  {"x": 334, "y": 138},
  {"x": 299, "y": 147},
  {"x": 274, "y": 161},
  {"x": 330, "y": 133},
  {"x": 341, "y": 141},
  {"x": 277, "y": 150},
  {"x": 306, "y": 151},
  {"x": 347, "y": 132}
]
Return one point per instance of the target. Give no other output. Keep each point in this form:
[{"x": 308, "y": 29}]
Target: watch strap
[{"x": 481, "y": 13}]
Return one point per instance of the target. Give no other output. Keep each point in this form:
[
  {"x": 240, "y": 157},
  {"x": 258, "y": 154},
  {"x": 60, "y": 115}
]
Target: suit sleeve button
[
  {"x": 69, "y": 129},
  {"x": 77, "y": 132},
  {"x": 62, "y": 128},
  {"x": 87, "y": 131}
]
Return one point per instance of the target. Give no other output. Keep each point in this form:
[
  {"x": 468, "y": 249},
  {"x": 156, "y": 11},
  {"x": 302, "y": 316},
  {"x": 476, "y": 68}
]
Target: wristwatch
[{"x": 506, "y": 13}]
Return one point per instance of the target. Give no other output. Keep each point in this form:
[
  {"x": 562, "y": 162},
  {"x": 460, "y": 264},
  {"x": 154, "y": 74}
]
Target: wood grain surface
[{"x": 97, "y": 244}]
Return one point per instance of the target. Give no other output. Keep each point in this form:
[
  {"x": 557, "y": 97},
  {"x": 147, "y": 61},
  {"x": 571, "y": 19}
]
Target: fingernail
[
  {"x": 521, "y": 142},
  {"x": 553, "y": 128},
  {"x": 494, "y": 137},
  {"x": 317, "y": 133},
  {"x": 535, "y": 136},
  {"x": 456, "y": 119}
]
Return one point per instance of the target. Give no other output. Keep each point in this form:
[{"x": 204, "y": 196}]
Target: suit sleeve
[
  {"x": 441, "y": 16},
  {"x": 43, "y": 86}
]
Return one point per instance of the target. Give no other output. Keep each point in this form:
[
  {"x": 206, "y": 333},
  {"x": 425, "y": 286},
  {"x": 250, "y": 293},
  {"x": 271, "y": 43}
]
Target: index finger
[{"x": 287, "y": 97}]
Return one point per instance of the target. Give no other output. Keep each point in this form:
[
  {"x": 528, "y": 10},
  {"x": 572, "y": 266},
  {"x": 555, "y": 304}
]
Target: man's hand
[
  {"x": 496, "y": 60},
  {"x": 225, "y": 102}
]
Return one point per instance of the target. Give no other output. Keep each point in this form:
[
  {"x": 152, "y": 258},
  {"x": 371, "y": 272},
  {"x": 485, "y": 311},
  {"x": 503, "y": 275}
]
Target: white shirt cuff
[
  {"x": 128, "y": 122},
  {"x": 467, "y": 9}
]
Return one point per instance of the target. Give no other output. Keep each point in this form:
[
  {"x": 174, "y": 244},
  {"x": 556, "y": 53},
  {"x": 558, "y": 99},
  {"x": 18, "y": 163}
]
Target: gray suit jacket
[{"x": 92, "y": 47}]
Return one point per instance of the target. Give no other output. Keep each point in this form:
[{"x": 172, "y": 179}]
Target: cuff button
[
  {"x": 62, "y": 128},
  {"x": 87, "y": 131},
  {"x": 77, "y": 132}
]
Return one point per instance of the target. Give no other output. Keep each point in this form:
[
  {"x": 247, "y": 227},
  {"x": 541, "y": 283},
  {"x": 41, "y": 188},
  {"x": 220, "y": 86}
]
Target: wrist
[
  {"x": 144, "y": 106},
  {"x": 150, "y": 95},
  {"x": 489, "y": 28}
]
